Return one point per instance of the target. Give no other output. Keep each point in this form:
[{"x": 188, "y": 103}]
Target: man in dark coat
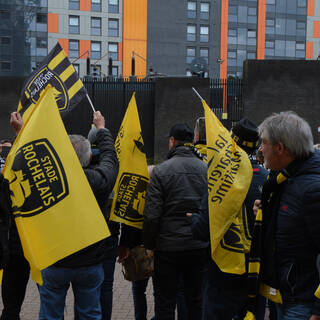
[
  {"x": 226, "y": 294},
  {"x": 289, "y": 210},
  {"x": 176, "y": 187},
  {"x": 83, "y": 269}
]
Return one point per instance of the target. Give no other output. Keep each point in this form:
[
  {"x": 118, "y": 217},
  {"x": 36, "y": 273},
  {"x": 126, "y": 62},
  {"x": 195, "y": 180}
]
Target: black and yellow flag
[
  {"x": 55, "y": 211},
  {"x": 57, "y": 71},
  {"x": 229, "y": 178},
  {"x": 131, "y": 184}
]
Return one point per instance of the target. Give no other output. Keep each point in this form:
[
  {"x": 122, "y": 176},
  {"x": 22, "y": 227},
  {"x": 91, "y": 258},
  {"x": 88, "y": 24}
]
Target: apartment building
[{"x": 173, "y": 38}]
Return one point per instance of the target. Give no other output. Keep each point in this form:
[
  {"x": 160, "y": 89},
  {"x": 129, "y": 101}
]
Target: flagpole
[
  {"x": 197, "y": 93},
  {"x": 93, "y": 109}
]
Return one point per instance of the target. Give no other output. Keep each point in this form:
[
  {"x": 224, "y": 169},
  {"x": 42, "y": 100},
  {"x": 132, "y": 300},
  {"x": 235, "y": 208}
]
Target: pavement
[{"x": 122, "y": 300}]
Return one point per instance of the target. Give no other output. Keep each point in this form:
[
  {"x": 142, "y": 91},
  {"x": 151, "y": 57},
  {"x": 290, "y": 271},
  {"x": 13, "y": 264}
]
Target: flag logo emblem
[
  {"x": 131, "y": 196},
  {"x": 40, "y": 81},
  {"x": 37, "y": 179},
  {"x": 232, "y": 239}
]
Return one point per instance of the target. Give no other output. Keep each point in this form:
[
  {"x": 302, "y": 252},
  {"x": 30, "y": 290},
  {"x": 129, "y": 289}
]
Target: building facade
[{"x": 170, "y": 38}]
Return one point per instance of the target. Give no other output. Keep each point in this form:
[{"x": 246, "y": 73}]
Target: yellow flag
[
  {"x": 131, "y": 184},
  {"x": 55, "y": 211},
  {"x": 229, "y": 178}
]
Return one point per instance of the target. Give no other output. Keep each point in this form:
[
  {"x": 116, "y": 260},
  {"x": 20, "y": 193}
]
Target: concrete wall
[
  {"x": 175, "y": 102},
  {"x": 281, "y": 85}
]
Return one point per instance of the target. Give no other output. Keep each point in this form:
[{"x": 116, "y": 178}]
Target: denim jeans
[
  {"x": 86, "y": 284},
  {"x": 107, "y": 284},
  {"x": 294, "y": 312}
]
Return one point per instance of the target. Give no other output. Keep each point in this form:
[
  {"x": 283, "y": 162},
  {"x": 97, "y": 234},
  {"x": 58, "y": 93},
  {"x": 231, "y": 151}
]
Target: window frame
[
  {"x": 95, "y": 31},
  {"x": 74, "y": 29}
]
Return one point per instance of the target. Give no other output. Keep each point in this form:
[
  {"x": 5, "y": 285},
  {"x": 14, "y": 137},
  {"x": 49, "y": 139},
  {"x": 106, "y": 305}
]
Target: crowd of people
[{"x": 281, "y": 208}]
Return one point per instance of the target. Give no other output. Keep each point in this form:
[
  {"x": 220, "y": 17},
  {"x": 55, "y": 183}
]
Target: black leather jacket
[
  {"x": 101, "y": 178},
  {"x": 176, "y": 187}
]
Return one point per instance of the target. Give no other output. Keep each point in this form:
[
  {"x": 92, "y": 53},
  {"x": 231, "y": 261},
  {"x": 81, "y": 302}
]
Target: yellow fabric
[
  {"x": 264, "y": 290},
  {"x": 317, "y": 293},
  {"x": 254, "y": 267},
  {"x": 249, "y": 316},
  {"x": 131, "y": 185},
  {"x": 229, "y": 178},
  {"x": 55, "y": 210}
]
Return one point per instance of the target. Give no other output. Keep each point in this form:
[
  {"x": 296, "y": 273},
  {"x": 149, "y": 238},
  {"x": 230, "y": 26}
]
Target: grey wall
[
  {"x": 175, "y": 102},
  {"x": 281, "y": 85}
]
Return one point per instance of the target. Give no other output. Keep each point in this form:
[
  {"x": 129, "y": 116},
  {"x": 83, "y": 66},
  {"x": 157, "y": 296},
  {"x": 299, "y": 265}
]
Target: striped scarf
[{"x": 261, "y": 250}]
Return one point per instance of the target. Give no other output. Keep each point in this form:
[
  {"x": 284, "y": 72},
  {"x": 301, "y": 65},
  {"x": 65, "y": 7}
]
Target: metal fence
[{"x": 112, "y": 96}]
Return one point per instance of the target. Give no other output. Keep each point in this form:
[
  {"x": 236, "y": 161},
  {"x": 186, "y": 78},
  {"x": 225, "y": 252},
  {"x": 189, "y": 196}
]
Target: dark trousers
[
  {"x": 168, "y": 267},
  {"x": 14, "y": 284}
]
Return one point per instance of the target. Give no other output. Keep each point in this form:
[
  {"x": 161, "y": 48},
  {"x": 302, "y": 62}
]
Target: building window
[
  {"x": 96, "y": 5},
  {"x": 233, "y": 14},
  {"x": 204, "y": 10},
  {"x": 73, "y": 48},
  {"x": 96, "y": 26},
  {"x": 301, "y": 29},
  {"x": 41, "y": 18},
  {"x": 192, "y": 10},
  {"x": 252, "y": 36},
  {"x": 77, "y": 67},
  {"x": 302, "y": 3},
  {"x": 191, "y": 54},
  {"x": 300, "y": 50},
  {"x": 5, "y": 15},
  {"x": 204, "y": 34},
  {"x": 5, "y": 65},
  {"x": 113, "y": 28},
  {"x": 188, "y": 73},
  {"x": 95, "y": 50},
  {"x": 191, "y": 32},
  {"x": 113, "y": 51},
  {"x": 271, "y": 2},
  {"x": 232, "y": 36},
  {"x": 74, "y": 24},
  {"x": 251, "y": 55},
  {"x": 204, "y": 53},
  {"x": 95, "y": 70},
  {"x": 232, "y": 58},
  {"x": 73, "y": 4},
  {"x": 269, "y": 26},
  {"x": 113, "y": 6},
  {"x": 252, "y": 15},
  {"x": 42, "y": 43},
  {"x": 6, "y": 40},
  {"x": 115, "y": 71}
]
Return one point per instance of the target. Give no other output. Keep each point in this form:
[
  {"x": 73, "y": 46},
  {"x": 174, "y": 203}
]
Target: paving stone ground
[{"x": 122, "y": 300}]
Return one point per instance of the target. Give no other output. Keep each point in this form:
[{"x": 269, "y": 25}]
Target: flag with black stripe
[{"x": 57, "y": 71}]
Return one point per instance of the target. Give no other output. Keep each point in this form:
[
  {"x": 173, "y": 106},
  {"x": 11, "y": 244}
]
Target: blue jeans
[
  {"x": 139, "y": 299},
  {"x": 107, "y": 284},
  {"x": 86, "y": 283},
  {"x": 294, "y": 312}
]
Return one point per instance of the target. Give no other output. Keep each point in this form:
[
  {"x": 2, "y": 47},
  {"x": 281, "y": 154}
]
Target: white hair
[{"x": 82, "y": 148}]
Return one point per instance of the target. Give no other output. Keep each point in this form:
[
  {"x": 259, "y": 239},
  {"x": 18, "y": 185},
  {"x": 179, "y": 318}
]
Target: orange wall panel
[
  {"x": 224, "y": 39},
  {"x": 310, "y": 8},
  {"x": 134, "y": 36},
  {"x": 53, "y": 22},
  {"x": 309, "y": 50},
  {"x": 84, "y": 45},
  {"x": 120, "y": 51},
  {"x": 64, "y": 43},
  {"x": 261, "y": 29},
  {"x": 316, "y": 29},
  {"x": 85, "y": 5}
]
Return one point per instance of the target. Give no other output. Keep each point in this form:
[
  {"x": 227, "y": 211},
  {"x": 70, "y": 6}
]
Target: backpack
[{"x": 138, "y": 265}]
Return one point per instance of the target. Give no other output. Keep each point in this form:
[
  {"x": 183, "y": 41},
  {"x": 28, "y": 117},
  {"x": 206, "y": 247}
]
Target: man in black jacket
[
  {"x": 225, "y": 294},
  {"x": 290, "y": 206},
  {"x": 176, "y": 188},
  {"x": 83, "y": 269}
]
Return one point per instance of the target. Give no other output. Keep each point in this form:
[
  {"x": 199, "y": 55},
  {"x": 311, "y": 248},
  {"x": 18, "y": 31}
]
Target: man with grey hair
[
  {"x": 289, "y": 210},
  {"x": 83, "y": 269}
]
